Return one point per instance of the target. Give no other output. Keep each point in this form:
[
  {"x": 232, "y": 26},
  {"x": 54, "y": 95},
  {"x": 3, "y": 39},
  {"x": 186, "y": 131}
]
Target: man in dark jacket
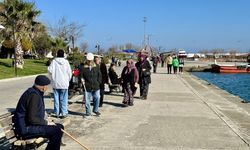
[
  {"x": 29, "y": 116},
  {"x": 105, "y": 80},
  {"x": 143, "y": 67},
  {"x": 91, "y": 79}
]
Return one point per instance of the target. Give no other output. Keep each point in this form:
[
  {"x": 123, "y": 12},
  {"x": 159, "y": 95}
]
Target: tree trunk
[{"x": 19, "y": 54}]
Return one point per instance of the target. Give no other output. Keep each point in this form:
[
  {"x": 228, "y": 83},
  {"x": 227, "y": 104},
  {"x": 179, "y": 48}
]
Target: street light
[
  {"x": 98, "y": 48},
  {"x": 73, "y": 41},
  {"x": 144, "y": 38}
]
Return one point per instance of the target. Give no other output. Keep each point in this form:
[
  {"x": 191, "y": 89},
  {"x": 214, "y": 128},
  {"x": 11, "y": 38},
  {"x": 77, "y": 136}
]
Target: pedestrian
[
  {"x": 175, "y": 64},
  {"x": 91, "y": 78},
  {"x": 155, "y": 60},
  {"x": 169, "y": 61},
  {"x": 29, "y": 117},
  {"x": 105, "y": 80},
  {"x": 162, "y": 59},
  {"x": 181, "y": 64},
  {"x": 129, "y": 78},
  {"x": 143, "y": 67},
  {"x": 119, "y": 62},
  {"x": 61, "y": 74}
]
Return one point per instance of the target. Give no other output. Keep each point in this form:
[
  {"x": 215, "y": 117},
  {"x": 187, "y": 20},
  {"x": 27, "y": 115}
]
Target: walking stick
[{"x": 75, "y": 140}]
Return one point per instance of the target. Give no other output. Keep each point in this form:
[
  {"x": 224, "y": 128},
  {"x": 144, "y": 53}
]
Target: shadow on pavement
[
  {"x": 114, "y": 104},
  {"x": 75, "y": 113}
]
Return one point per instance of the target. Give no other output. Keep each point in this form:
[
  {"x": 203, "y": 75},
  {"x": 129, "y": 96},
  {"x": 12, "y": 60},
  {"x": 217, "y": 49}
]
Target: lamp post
[
  {"x": 73, "y": 41},
  {"x": 98, "y": 48}
]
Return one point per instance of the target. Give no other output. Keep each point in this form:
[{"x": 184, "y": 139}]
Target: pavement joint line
[{"x": 223, "y": 117}]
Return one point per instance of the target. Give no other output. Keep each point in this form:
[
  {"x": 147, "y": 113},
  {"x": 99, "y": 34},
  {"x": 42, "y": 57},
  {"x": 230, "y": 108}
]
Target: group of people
[
  {"x": 30, "y": 117},
  {"x": 174, "y": 62},
  {"x": 136, "y": 73}
]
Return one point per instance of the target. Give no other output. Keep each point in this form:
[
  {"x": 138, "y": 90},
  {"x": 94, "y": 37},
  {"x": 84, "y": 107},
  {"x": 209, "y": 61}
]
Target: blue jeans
[
  {"x": 60, "y": 101},
  {"x": 96, "y": 101}
]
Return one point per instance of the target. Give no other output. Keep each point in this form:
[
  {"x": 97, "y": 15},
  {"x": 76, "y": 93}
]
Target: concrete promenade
[{"x": 182, "y": 112}]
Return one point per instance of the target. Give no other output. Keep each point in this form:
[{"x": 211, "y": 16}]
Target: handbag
[{"x": 146, "y": 73}]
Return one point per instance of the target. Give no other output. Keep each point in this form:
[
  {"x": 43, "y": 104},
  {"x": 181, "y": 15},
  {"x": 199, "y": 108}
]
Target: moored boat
[{"x": 230, "y": 68}]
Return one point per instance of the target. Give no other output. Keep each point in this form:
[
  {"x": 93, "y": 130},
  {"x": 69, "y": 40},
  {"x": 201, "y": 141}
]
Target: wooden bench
[{"x": 9, "y": 140}]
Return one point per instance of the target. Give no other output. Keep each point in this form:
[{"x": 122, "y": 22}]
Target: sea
[{"x": 236, "y": 84}]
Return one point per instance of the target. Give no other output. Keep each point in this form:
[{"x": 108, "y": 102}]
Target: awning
[{"x": 129, "y": 51}]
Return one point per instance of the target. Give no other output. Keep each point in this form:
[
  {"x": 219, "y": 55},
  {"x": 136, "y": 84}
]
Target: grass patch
[{"x": 31, "y": 67}]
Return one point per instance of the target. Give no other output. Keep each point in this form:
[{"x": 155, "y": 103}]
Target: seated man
[{"x": 30, "y": 112}]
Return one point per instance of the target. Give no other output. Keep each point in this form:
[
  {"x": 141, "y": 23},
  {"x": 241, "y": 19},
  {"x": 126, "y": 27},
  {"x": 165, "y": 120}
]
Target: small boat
[{"x": 230, "y": 68}]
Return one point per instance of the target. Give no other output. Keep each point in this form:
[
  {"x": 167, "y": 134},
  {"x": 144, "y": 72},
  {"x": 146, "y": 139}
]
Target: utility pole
[
  {"x": 144, "y": 38},
  {"x": 148, "y": 38}
]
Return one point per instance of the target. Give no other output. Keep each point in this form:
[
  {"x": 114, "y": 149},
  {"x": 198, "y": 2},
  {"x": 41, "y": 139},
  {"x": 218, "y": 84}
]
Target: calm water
[{"x": 237, "y": 84}]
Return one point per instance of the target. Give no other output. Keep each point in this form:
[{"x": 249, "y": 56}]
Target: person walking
[
  {"x": 61, "y": 74},
  {"x": 129, "y": 78},
  {"x": 91, "y": 78},
  {"x": 181, "y": 64},
  {"x": 162, "y": 57},
  {"x": 29, "y": 117},
  {"x": 175, "y": 64},
  {"x": 143, "y": 67},
  {"x": 169, "y": 61},
  {"x": 105, "y": 80},
  {"x": 155, "y": 60}
]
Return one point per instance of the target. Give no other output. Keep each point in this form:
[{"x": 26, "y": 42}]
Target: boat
[{"x": 230, "y": 68}]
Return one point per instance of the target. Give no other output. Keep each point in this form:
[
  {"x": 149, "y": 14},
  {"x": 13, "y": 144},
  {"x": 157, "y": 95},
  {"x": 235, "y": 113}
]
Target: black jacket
[
  {"x": 30, "y": 110},
  {"x": 92, "y": 77},
  {"x": 144, "y": 72},
  {"x": 104, "y": 72},
  {"x": 113, "y": 76}
]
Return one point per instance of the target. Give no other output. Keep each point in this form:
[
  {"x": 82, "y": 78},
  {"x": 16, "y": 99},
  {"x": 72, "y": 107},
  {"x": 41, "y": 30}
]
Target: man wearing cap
[
  {"x": 91, "y": 79},
  {"x": 30, "y": 119}
]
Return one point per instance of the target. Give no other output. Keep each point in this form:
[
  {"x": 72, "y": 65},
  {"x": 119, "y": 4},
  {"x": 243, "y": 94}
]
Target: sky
[{"x": 192, "y": 25}]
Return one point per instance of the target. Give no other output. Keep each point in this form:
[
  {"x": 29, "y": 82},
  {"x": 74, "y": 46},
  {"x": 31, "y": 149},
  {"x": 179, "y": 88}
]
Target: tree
[
  {"x": 58, "y": 43},
  {"x": 19, "y": 18},
  {"x": 112, "y": 50},
  {"x": 42, "y": 44},
  {"x": 84, "y": 47},
  {"x": 68, "y": 31},
  {"x": 26, "y": 44},
  {"x": 7, "y": 49}
]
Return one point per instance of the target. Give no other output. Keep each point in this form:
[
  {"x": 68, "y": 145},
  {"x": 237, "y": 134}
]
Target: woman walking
[{"x": 129, "y": 78}]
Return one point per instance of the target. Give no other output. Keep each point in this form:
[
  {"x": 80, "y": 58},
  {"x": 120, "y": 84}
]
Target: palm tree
[
  {"x": 58, "y": 43},
  {"x": 19, "y": 17}
]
